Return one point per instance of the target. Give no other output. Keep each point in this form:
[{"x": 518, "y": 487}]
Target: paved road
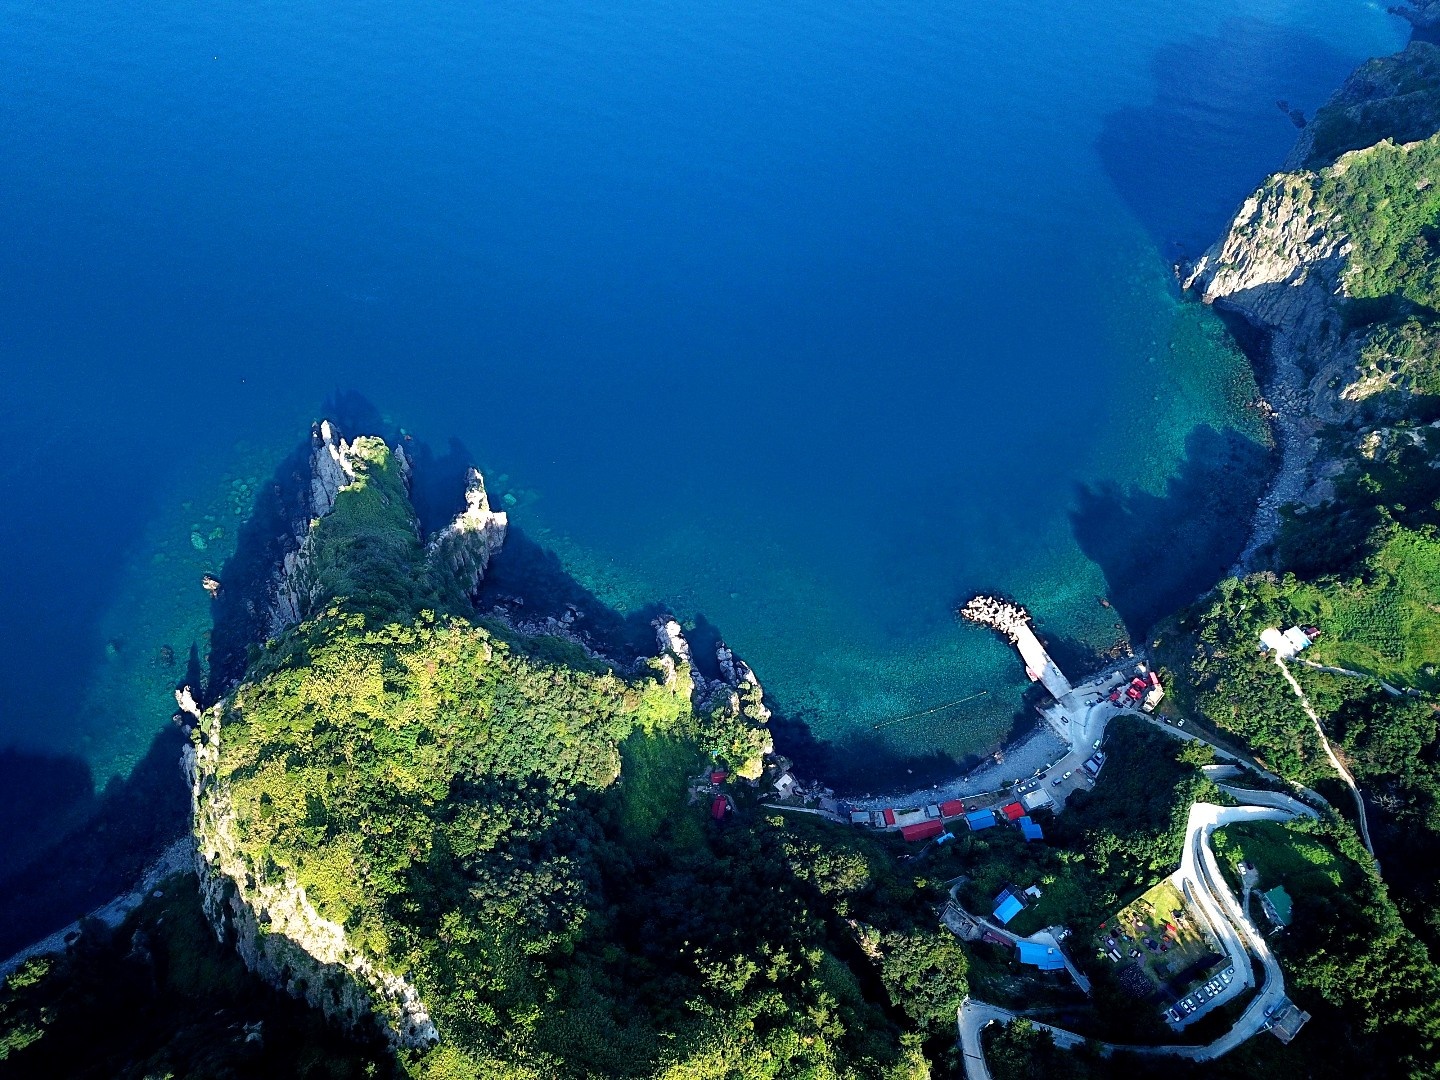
[
  {"x": 1200, "y": 878},
  {"x": 1393, "y": 691},
  {"x": 1220, "y": 752},
  {"x": 1260, "y": 797}
]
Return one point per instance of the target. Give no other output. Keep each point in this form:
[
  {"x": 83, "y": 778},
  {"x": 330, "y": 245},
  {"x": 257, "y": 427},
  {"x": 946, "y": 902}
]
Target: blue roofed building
[
  {"x": 980, "y": 819},
  {"x": 1030, "y": 830},
  {"x": 1044, "y": 957},
  {"x": 1007, "y": 906}
]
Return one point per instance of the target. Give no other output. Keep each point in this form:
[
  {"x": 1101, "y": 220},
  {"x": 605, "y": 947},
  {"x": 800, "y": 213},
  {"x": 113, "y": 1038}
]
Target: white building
[
  {"x": 1034, "y": 800},
  {"x": 1285, "y": 644}
]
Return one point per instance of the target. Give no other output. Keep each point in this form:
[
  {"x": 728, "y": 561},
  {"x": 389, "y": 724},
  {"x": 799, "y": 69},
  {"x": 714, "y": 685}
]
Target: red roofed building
[
  {"x": 1013, "y": 811},
  {"x": 889, "y": 817},
  {"x": 952, "y": 808},
  {"x": 923, "y": 831},
  {"x": 718, "y": 776},
  {"x": 718, "y": 807}
]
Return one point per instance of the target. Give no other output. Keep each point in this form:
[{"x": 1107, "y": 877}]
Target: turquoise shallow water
[{"x": 807, "y": 320}]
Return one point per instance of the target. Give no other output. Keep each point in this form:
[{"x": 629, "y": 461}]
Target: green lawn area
[
  {"x": 1153, "y": 916},
  {"x": 653, "y": 775},
  {"x": 1282, "y": 856},
  {"x": 1389, "y": 624}
]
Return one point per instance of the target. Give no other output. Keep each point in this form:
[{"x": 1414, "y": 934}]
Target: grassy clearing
[
  {"x": 1283, "y": 856},
  {"x": 1168, "y": 937},
  {"x": 653, "y": 774},
  {"x": 1386, "y": 624}
]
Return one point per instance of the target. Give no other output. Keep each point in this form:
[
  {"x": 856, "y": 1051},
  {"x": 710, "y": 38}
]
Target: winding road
[{"x": 1200, "y": 880}]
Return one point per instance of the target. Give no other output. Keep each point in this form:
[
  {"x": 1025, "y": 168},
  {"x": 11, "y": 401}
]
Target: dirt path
[{"x": 1334, "y": 760}]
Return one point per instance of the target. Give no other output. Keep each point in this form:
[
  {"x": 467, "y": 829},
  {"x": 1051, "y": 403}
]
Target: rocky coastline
[{"x": 1279, "y": 270}]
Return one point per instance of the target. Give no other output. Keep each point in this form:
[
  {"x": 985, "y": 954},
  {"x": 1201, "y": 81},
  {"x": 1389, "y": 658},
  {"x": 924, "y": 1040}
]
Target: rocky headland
[{"x": 1286, "y": 271}]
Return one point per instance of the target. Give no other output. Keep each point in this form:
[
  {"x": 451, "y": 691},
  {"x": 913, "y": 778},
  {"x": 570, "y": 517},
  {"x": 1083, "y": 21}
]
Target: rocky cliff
[
  {"x": 465, "y": 547},
  {"x": 275, "y": 928},
  {"x": 1394, "y": 97},
  {"x": 1280, "y": 267},
  {"x": 1287, "y": 266},
  {"x": 293, "y": 584},
  {"x": 261, "y": 907}
]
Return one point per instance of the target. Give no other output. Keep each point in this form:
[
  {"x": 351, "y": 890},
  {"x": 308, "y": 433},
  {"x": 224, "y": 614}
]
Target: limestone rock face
[
  {"x": 736, "y": 693},
  {"x": 276, "y": 930},
  {"x": 1281, "y": 266},
  {"x": 466, "y": 546},
  {"x": 1280, "y": 262},
  {"x": 292, "y": 585}
]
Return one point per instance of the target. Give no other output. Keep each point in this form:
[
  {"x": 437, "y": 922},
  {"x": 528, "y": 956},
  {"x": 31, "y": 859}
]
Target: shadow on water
[
  {"x": 1158, "y": 552},
  {"x": 106, "y": 838},
  {"x": 528, "y": 581},
  {"x": 113, "y": 834},
  {"x": 1213, "y": 131}
]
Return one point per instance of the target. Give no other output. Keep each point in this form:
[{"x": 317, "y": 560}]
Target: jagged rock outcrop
[
  {"x": 292, "y": 587},
  {"x": 736, "y": 695},
  {"x": 276, "y": 929},
  {"x": 1280, "y": 263},
  {"x": 463, "y": 548},
  {"x": 466, "y": 546}
]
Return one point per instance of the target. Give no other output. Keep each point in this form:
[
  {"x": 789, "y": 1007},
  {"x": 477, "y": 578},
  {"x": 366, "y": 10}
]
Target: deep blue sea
[{"x": 806, "y": 318}]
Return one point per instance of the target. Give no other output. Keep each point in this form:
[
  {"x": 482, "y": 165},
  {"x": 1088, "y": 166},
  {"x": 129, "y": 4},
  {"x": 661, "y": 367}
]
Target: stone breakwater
[{"x": 1009, "y": 619}]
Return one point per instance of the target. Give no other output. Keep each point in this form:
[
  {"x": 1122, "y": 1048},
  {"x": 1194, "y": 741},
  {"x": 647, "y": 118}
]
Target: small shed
[
  {"x": 1035, "y": 800},
  {"x": 889, "y": 817},
  {"x": 1008, "y": 905},
  {"x": 1030, "y": 830},
  {"x": 980, "y": 819},
  {"x": 717, "y": 776},
  {"x": 1044, "y": 957},
  {"x": 923, "y": 831},
  {"x": 952, "y": 808},
  {"x": 859, "y": 817},
  {"x": 1276, "y": 903},
  {"x": 1013, "y": 811}
]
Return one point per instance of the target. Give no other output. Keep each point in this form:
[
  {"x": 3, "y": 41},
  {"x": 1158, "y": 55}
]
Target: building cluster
[
  {"x": 928, "y": 822},
  {"x": 1143, "y": 690},
  {"x": 1286, "y": 643}
]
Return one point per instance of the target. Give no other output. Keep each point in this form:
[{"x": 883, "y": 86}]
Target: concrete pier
[{"x": 1013, "y": 621}]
